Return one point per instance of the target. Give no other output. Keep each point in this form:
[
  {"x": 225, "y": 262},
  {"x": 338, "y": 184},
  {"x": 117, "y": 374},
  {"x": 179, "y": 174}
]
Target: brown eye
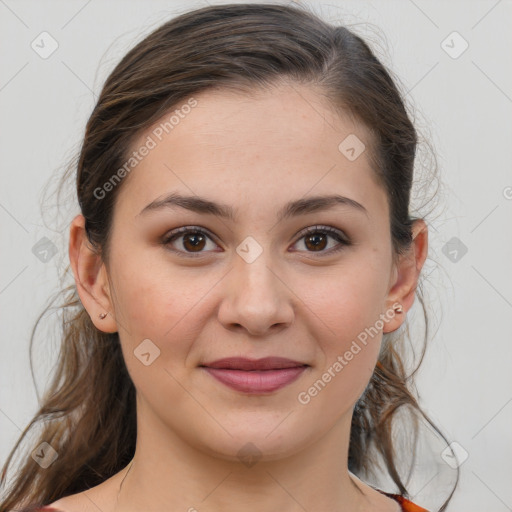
[
  {"x": 194, "y": 240},
  {"x": 316, "y": 239}
]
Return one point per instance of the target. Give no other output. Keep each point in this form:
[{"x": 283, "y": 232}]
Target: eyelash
[{"x": 343, "y": 240}]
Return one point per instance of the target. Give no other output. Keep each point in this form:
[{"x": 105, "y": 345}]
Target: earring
[
  {"x": 102, "y": 315},
  {"x": 398, "y": 309}
]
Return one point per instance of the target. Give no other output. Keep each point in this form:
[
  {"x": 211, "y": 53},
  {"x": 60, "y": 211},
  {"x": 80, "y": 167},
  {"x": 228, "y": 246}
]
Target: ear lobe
[
  {"x": 90, "y": 277},
  {"x": 407, "y": 274}
]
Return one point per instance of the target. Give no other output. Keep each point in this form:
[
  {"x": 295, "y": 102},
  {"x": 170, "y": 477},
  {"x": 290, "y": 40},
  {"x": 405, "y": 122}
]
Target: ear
[
  {"x": 90, "y": 277},
  {"x": 406, "y": 274}
]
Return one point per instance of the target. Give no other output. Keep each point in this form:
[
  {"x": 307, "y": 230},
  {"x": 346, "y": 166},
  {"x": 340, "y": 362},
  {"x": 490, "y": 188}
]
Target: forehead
[{"x": 258, "y": 147}]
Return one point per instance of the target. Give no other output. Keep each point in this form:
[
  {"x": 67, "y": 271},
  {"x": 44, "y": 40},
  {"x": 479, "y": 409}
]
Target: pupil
[
  {"x": 317, "y": 245},
  {"x": 197, "y": 243}
]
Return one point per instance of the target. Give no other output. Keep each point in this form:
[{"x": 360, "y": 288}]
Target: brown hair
[{"x": 88, "y": 411}]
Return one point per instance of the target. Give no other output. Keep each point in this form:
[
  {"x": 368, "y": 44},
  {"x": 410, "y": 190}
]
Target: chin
[{"x": 249, "y": 445}]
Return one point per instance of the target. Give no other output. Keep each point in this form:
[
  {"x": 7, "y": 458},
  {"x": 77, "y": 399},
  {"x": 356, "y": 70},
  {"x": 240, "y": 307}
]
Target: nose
[{"x": 256, "y": 298}]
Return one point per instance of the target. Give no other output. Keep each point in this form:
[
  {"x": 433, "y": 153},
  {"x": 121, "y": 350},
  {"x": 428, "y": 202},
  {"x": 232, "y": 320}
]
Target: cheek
[
  {"x": 348, "y": 304},
  {"x": 150, "y": 297},
  {"x": 348, "y": 351},
  {"x": 156, "y": 303},
  {"x": 349, "y": 298}
]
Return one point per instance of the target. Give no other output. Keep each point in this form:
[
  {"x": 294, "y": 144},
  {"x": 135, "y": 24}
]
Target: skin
[{"x": 254, "y": 152}]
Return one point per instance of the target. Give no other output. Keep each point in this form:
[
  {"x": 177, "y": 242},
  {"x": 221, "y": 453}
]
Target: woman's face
[{"x": 254, "y": 285}]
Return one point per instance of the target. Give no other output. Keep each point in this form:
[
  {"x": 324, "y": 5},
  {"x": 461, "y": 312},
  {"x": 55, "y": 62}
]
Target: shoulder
[
  {"x": 100, "y": 497},
  {"x": 409, "y": 506},
  {"x": 38, "y": 508},
  {"x": 405, "y": 504},
  {"x": 67, "y": 504},
  {"x": 73, "y": 503}
]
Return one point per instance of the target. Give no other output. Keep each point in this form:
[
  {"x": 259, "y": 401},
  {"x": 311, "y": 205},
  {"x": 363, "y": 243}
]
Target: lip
[
  {"x": 255, "y": 376},
  {"x": 243, "y": 363},
  {"x": 255, "y": 382}
]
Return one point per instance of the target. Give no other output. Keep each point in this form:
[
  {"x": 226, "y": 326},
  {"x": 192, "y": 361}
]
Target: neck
[{"x": 179, "y": 475}]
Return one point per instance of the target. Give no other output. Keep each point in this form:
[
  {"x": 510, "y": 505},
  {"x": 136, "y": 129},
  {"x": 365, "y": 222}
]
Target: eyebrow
[{"x": 292, "y": 209}]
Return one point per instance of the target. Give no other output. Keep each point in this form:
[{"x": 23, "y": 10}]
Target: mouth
[
  {"x": 255, "y": 376},
  {"x": 243, "y": 363}
]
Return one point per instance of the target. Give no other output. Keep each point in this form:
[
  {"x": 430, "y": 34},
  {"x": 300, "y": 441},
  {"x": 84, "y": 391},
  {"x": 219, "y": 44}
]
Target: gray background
[{"x": 463, "y": 105}]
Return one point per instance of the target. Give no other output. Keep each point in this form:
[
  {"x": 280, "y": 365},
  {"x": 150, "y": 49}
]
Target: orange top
[{"x": 407, "y": 506}]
